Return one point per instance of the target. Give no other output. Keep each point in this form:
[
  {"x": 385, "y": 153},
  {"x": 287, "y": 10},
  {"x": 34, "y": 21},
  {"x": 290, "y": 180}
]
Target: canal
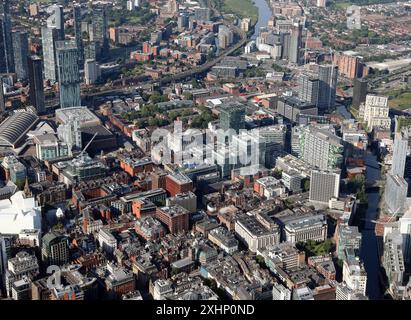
[
  {"x": 264, "y": 14},
  {"x": 369, "y": 250}
]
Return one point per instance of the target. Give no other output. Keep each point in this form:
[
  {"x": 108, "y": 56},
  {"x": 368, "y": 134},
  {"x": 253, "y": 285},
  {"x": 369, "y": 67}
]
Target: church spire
[{"x": 27, "y": 191}]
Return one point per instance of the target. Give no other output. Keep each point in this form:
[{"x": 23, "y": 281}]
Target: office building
[
  {"x": 100, "y": 31},
  {"x": 271, "y": 141},
  {"x": 55, "y": 249},
  {"x": 187, "y": 200},
  {"x": 20, "y": 51},
  {"x": 292, "y": 180},
  {"x": 91, "y": 71},
  {"x": 257, "y": 232},
  {"x": 178, "y": 183},
  {"x": 15, "y": 171},
  {"x": 107, "y": 242},
  {"x": 224, "y": 239},
  {"x": 22, "y": 265},
  {"x": 343, "y": 292},
  {"x": 232, "y": 116},
  {"x": 78, "y": 34},
  {"x": 395, "y": 194},
  {"x": 280, "y": 292},
  {"x": 21, "y": 289},
  {"x": 354, "y": 274},
  {"x": 393, "y": 260},
  {"x": 320, "y": 148},
  {"x": 6, "y": 42},
  {"x": 305, "y": 228},
  {"x": 68, "y": 74},
  {"x": 327, "y": 75},
  {"x": 175, "y": 217},
  {"x": 399, "y": 153},
  {"x": 359, "y": 92},
  {"x": 348, "y": 237},
  {"x": 308, "y": 88},
  {"x": 49, "y": 37},
  {"x": 36, "y": 91},
  {"x": 295, "y": 44},
  {"x": 292, "y": 107},
  {"x": 48, "y": 147},
  {"x": 324, "y": 185},
  {"x": 405, "y": 230},
  {"x": 303, "y": 293},
  {"x": 283, "y": 256}
]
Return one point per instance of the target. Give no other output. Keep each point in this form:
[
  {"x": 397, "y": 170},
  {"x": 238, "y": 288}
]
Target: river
[
  {"x": 369, "y": 250},
  {"x": 264, "y": 14}
]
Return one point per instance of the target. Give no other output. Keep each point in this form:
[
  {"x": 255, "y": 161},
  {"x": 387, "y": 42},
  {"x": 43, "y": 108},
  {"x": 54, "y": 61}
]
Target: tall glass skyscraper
[
  {"x": 49, "y": 38},
  {"x": 6, "y": 43},
  {"x": 56, "y": 20},
  {"x": 21, "y": 51},
  {"x": 328, "y": 75},
  {"x": 35, "y": 74},
  {"x": 68, "y": 73},
  {"x": 399, "y": 153}
]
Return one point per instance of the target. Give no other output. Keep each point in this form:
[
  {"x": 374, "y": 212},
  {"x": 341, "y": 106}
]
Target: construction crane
[
  {"x": 383, "y": 222},
  {"x": 88, "y": 144}
]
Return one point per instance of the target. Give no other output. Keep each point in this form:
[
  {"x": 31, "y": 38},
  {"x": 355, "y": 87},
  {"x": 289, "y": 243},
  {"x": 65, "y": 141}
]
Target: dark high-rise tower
[
  {"x": 360, "y": 92},
  {"x": 20, "y": 51},
  {"x": 35, "y": 73},
  {"x": 232, "y": 116},
  {"x": 327, "y": 75},
  {"x": 99, "y": 34},
  {"x": 295, "y": 44},
  {"x": 2, "y": 104},
  {"x": 308, "y": 88},
  {"x": 6, "y": 43},
  {"x": 78, "y": 34}
]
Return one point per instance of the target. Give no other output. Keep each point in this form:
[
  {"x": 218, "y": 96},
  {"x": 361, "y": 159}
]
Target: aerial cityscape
[{"x": 205, "y": 150}]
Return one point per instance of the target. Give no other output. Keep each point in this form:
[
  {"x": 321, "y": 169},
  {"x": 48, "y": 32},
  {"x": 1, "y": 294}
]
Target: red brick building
[
  {"x": 175, "y": 217},
  {"x": 178, "y": 183}
]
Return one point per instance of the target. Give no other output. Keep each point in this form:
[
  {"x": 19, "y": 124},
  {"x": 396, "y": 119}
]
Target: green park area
[
  {"x": 400, "y": 100},
  {"x": 342, "y": 5},
  {"x": 316, "y": 248},
  {"x": 243, "y": 8}
]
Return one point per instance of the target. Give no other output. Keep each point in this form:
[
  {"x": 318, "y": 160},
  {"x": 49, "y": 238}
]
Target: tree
[
  {"x": 174, "y": 271},
  {"x": 277, "y": 173},
  {"x": 306, "y": 184}
]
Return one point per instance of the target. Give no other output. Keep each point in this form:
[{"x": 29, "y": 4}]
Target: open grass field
[
  {"x": 342, "y": 5},
  {"x": 243, "y": 8},
  {"x": 401, "y": 101}
]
